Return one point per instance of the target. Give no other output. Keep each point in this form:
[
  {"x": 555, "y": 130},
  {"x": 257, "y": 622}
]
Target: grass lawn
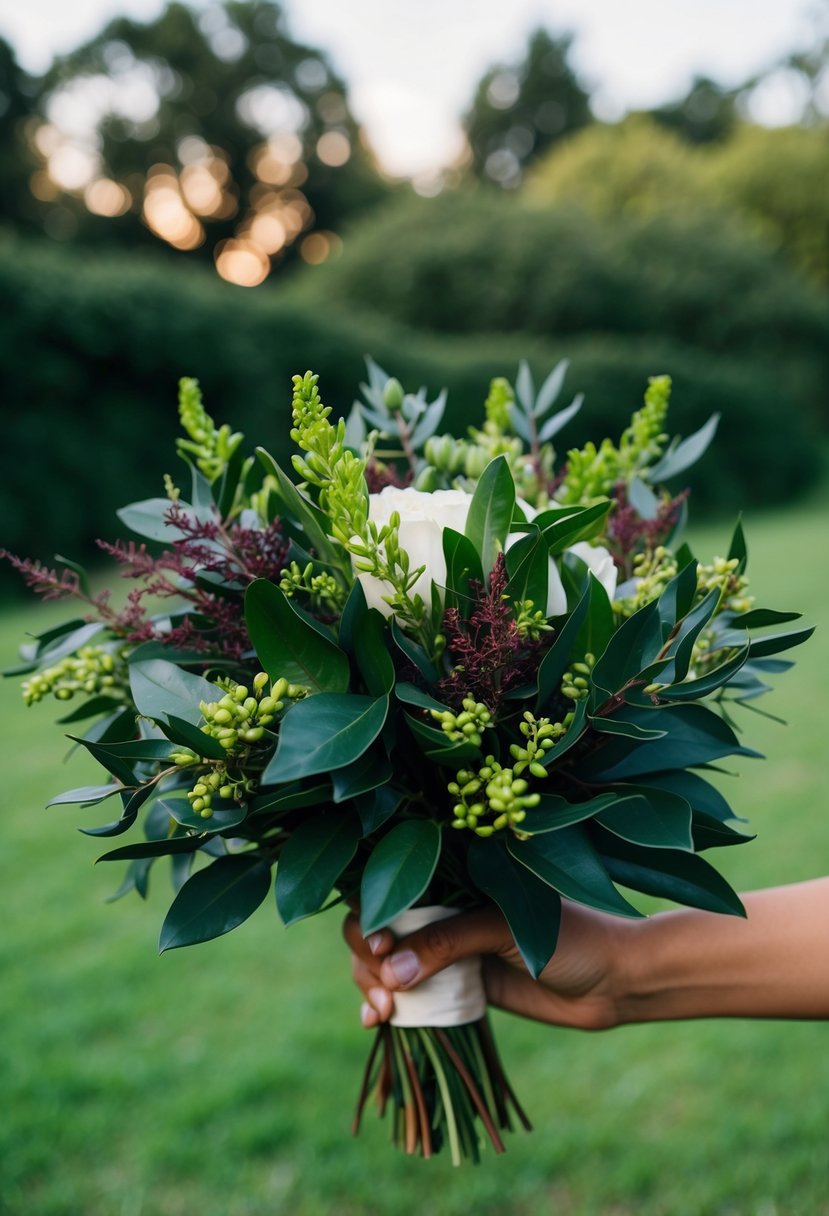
[{"x": 219, "y": 1081}]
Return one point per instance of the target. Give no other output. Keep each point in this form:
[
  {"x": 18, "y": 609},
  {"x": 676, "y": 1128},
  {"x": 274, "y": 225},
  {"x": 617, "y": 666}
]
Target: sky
[{"x": 411, "y": 67}]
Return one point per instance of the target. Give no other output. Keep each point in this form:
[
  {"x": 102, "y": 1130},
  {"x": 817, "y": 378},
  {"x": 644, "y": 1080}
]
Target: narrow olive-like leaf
[
  {"x": 695, "y": 790},
  {"x": 642, "y": 498},
  {"x": 289, "y": 797},
  {"x": 430, "y": 421},
  {"x": 160, "y": 688},
  {"x": 774, "y": 643},
  {"x": 373, "y": 659},
  {"x": 718, "y": 677},
  {"x": 582, "y": 523},
  {"x": 287, "y": 646},
  {"x": 684, "y": 639},
  {"x": 355, "y": 607},
  {"x": 398, "y": 871},
  {"x": 676, "y": 600},
  {"x": 299, "y": 508},
  {"x": 437, "y": 746},
  {"x": 490, "y": 512},
  {"x": 669, "y": 874},
  {"x": 575, "y": 730},
  {"x": 121, "y": 769},
  {"x": 558, "y": 421},
  {"x": 187, "y": 735},
  {"x": 738, "y": 548},
  {"x": 685, "y": 453},
  {"x": 757, "y": 618},
  {"x": 311, "y": 862},
  {"x": 617, "y": 726},
  {"x": 525, "y": 387},
  {"x": 88, "y": 795},
  {"x": 551, "y": 388},
  {"x": 95, "y": 705},
  {"x": 215, "y": 900},
  {"x": 149, "y": 518},
  {"x": 410, "y": 694},
  {"x": 532, "y": 908},
  {"x": 323, "y": 733},
  {"x": 567, "y": 861},
  {"x": 153, "y": 848}
]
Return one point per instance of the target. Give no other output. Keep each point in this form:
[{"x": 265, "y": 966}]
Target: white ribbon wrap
[{"x": 453, "y": 997}]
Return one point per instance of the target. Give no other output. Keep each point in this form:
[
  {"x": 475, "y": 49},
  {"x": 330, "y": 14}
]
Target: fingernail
[
  {"x": 366, "y": 1013},
  {"x": 405, "y": 966},
  {"x": 374, "y": 941}
]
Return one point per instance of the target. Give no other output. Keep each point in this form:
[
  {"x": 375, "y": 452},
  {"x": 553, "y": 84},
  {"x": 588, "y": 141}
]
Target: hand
[{"x": 577, "y": 988}]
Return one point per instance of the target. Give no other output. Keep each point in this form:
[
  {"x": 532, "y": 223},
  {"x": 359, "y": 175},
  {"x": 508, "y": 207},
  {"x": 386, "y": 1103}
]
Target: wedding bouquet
[{"x": 432, "y": 674}]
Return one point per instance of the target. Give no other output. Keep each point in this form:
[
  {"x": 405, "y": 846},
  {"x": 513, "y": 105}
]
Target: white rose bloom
[
  {"x": 600, "y": 562},
  {"x": 423, "y": 518},
  {"x": 596, "y": 558}
]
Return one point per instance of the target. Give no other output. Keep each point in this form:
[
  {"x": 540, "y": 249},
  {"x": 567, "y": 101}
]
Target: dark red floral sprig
[
  {"x": 486, "y": 650},
  {"x": 378, "y": 476},
  {"x": 46, "y": 582},
  {"x": 628, "y": 533}
]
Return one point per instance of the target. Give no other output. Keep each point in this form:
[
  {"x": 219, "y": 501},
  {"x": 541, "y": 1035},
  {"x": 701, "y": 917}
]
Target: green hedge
[
  {"x": 476, "y": 263},
  {"x": 91, "y": 351}
]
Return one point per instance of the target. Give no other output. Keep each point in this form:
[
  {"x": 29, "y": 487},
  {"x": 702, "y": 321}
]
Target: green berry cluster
[
  {"x": 93, "y": 669},
  {"x": 211, "y": 447},
  {"x": 468, "y": 725},
  {"x": 323, "y": 588},
  {"x": 530, "y": 621},
  {"x": 575, "y": 683},
  {"x": 239, "y": 718},
  {"x": 491, "y": 791},
  {"x": 217, "y": 782},
  {"x": 724, "y": 573},
  {"x": 652, "y": 571},
  {"x": 541, "y": 734}
]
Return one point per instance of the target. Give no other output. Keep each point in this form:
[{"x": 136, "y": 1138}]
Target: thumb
[{"x": 442, "y": 943}]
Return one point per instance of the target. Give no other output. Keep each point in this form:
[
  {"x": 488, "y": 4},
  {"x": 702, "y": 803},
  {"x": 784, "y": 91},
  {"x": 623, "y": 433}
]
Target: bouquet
[{"x": 430, "y": 674}]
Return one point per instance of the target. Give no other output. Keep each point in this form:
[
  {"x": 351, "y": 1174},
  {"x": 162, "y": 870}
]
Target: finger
[
  {"x": 375, "y": 945},
  {"x": 444, "y": 942}
]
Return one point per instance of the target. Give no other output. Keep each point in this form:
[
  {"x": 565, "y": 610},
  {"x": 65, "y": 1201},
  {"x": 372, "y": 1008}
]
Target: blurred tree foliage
[
  {"x": 17, "y": 159},
  {"x": 199, "y": 122},
  {"x": 708, "y": 112},
  {"x": 520, "y": 110},
  {"x": 92, "y": 348}
]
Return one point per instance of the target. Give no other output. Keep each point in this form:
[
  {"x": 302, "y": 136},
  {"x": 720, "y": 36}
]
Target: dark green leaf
[
  {"x": 567, "y": 861},
  {"x": 373, "y": 659},
  {"x": 668, "y": 874},
  {"x": 574, "y": 733},
  {"x": 187, "y": 735},
  {"x": 558, "y": 658},
  {"x": 738, "y": 548},
  {"x": 89, "y": 795},
  {"x": 617, "y": 726},
  {"x": 377, "y": 807},
  {"x": 373, "y": 768},
  {"x": 325, "y": 732},
  {"x": 635, "y": 644},
  {"x": 311, "y": 862},
  {"x": 355, "y": 607},
  {"x": 649, "y": 817},
  {"x": 416, "y": 654},
  {"x": 160, "y": 688},
  {"x": 690, "y": 690},
  {"x": 120, "y": 769},
  {"x": 774, "y": 643},
  {"x": 224, "y": 815},
  {"x": 398, "y": 871},
  {"x": 95, "y": 705},
  {"x": 581, "y": 523},
  {"x": 490, "y": 512},
  {"x": 215, "y": 900},
  {"x": 684, "y": 639},
  {"x": 759, "y": 617},
  {"x": 154, "y": 848},
  {"x": 410, "y": 694},
  {"x": 289, "y": 797},
  {"x": 554, "y": 812},
  {"x": 532, "y": 909},
  {"x": 437, "y": 746},
  {"x": 287, "y": 646},
  {"x": 298, "y": 508},
  {"x": 676, "y": 600},
  {"x": 528, "y": 570},
  {"x": 462, "y": 566}
]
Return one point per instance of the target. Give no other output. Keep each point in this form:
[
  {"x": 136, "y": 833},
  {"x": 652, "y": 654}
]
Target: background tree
[
  {"x": 212, "y": 131},
  {"x": 519, "y": 110},
  {"x": 18, "y": 206},
  {"x": 708, "y": 112}
]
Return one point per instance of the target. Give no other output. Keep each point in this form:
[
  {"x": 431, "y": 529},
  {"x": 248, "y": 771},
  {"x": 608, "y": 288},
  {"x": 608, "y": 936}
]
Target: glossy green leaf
[
  {"x": 567, "y": 861},
  {"x": 323, "y": 733},
  {"x": 377, "y": 807},
  {"x": 774, "y": 643},
  {"x": 355, "y": 607},
  {"x": 675, "y": 601},
  {"x": 757, "y": 618},
  {"x": 490, "y": 512},
  {"x": 398, "y": 871},
  {"x": 554, "y": 812},
  {"x": 668, "y": 874},
  {"x": 718, "y": 677},
  {"x": 287, "y": 646},
  {"x": 410, "y": 694},
  {"x": 617, "y": 726},
  {"x": 88, "y": 795},
  {"x": 462, "y": 566},
  {"x": 224, "y": 815},
  {"x": 694, "y": 735},
  {"x": 154, "y": 848},
  {"x": 738, "y": 547},
  {"x": 528, "y": 570},
  {"x": 372, "y": 769},
  {"x": 291, "y": 796},
  {"x": 311, "y": 862},
  {"x": 649, "y": 817},
  {"x": 298, "y": 508},
  {"x": 634, "y": 645},
  {"x": 414, "y": 653},
  {"x": 186, "y": 735},
  {"x": 558, "y": 658},
  {"x": 215, "y": 900},
  {"x": 160, "y": 688},
  {"x": 437, "y": 746},
  {"x": 90, "y": 708},
  {"x": 582, "y": 523},
  {"x": 371, "y": 654},
  {"x": 532, "y": 908}
]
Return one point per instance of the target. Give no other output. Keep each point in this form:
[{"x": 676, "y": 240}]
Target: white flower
[{"x": 423, "y": 518}]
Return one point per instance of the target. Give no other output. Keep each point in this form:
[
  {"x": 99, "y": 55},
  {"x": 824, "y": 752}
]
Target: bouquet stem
[{"x": 446, "y": 1085}]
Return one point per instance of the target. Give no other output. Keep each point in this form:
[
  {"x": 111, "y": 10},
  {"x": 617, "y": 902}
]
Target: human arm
[{"x": 607, "y": 971}]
